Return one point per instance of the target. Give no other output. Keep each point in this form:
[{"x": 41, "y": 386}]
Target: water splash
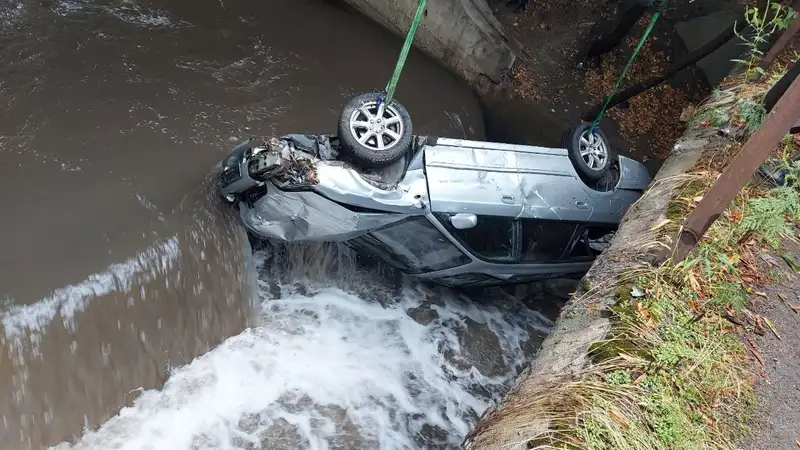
[
  {"x": 32, "y": 319},
  {"x": 412, "y": 367},
  {"x": 125, "y": 10}
]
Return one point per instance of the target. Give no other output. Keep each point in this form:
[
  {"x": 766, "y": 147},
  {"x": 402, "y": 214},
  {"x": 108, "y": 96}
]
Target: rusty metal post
[{"x": 740, "y": 170}]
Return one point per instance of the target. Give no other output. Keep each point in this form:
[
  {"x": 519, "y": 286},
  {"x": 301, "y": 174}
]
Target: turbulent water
[
  {"x": 131, "y": 315},
  {"x": 346, "y": 364}
]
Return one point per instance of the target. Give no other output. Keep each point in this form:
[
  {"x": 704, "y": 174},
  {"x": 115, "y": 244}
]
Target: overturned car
[{"x": 457, "y": 212}]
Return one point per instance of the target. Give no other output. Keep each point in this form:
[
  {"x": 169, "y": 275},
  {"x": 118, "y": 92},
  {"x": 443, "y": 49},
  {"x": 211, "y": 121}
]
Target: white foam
[
  {"x": 326, "y": 370},
  {"x": 65, "y": 302},
  {"x": 12, "y": 13},
  {"x": 124, "y": 10}
]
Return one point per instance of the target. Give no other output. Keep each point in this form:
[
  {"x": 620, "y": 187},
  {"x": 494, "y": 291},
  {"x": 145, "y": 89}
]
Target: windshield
[{"x": 415, "y": 246}]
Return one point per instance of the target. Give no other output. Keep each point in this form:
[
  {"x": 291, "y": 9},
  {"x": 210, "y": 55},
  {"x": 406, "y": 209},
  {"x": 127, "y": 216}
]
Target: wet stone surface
[{"x": 481, "y": 347}]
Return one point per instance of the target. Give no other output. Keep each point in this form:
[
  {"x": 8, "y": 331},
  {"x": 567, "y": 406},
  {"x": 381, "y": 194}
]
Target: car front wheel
[
  {"x": 589, "y": 151},
  {"x": 373, "y": 133}
]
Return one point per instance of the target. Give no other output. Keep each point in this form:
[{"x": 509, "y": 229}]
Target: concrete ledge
[{"x": 463, "y": 35}]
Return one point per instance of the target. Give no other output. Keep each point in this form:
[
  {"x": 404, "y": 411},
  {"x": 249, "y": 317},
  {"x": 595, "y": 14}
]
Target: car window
[
  {"x": 370, "y": 246},
  {"x": 545, "y": 241},
  {"x": 420, "y": 246},
  {"x": 492, "y": 239},
  {"x": 466, "y": 279}
]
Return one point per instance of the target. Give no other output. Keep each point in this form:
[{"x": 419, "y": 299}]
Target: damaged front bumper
[{"x": 277, "y": 188}]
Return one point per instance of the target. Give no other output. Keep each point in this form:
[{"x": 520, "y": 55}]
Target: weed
[
  {"x": 751, "y": 114},
  {"x": 729, "y": 295},
  {"x": 769, "y": 215},
  {"x": 774, "y": 17},
  {"x": 619, "y": 377}
]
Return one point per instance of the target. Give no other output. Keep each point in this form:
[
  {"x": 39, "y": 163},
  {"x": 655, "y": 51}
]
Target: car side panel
[
  {"x": 308, "y": 216},
  {"x": 555, "y": 194},
  {"x": 505, "y": 180},
  {"x": 474, "y": 180}
]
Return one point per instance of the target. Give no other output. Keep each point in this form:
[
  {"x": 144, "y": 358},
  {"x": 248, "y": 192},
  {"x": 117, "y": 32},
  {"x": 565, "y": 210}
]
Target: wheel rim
[
  {"x": 594, "y": 151},
  {"x": 378, "y": 128}
]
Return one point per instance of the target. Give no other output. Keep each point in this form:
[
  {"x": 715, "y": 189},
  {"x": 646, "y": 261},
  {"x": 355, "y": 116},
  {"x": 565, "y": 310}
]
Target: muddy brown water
[{"x": 117, "y": 261}]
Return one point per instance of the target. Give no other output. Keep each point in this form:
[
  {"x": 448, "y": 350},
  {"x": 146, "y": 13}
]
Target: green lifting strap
[
  {"x": 390, "y": 88},
  {"x": 625, "y": 70}
]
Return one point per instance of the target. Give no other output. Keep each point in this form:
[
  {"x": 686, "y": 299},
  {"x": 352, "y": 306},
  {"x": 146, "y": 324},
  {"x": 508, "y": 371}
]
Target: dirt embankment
[{"x": 546, "y": 86}]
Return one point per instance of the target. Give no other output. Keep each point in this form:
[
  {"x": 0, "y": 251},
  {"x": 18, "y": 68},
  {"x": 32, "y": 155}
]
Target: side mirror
[{"x": 463, "y": 221}]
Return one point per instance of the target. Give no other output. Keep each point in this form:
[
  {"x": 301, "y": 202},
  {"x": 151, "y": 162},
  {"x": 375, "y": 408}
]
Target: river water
[{"x": 121, "y": 271}]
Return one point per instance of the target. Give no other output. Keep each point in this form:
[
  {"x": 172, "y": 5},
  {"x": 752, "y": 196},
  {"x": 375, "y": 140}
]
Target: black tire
[
  {"x": 571, "y": 142},
  {"x": 368, "y": 156}
]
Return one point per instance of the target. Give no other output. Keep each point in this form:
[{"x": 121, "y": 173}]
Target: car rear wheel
[
  {"x": 373, "y": 133},
  {"x": 589, "y": 151}
]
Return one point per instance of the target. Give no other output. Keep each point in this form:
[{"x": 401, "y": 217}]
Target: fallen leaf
[
  {"x": 695, "y": 284},
  {"x": 795, "y": 308},
  {"x": 639, "y": 379},
  {"x": 772, "y": 327},
  {"x": 698, "y": 199},
  {"x": 660, "y": 224},
  {"x": 761, "y": 294},
  {"x": 636, "y": 292}
]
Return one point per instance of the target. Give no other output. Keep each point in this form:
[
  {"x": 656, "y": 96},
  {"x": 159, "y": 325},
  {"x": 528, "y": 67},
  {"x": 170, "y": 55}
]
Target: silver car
[{"x": 457, "y": 212}]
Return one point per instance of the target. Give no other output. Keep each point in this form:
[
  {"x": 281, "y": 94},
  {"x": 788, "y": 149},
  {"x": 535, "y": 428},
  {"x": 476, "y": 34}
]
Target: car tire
[
  {"x": 591, "y": 155},
  {"x": 387, "y": 142}
]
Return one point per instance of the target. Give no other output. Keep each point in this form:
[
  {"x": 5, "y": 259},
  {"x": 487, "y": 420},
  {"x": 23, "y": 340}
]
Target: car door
[
  {"x": 508, "y": 180},
  {"x": 494, "y": 239},
  {"x": 464, "y": 177}
]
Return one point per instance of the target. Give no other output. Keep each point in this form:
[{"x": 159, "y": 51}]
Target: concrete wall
[{"x": 463, "y": 35}]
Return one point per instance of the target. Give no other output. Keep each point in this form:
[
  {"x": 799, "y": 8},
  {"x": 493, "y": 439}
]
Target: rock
[
  {"x": 481, "y": 349},
  {"x": 560, "y": 288},
  {"x": 423, "y": 315},
  {"x": 432, "y": 437},
  {"x": 348, "y": 436},
  {"x": 281, "y": 435}
]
